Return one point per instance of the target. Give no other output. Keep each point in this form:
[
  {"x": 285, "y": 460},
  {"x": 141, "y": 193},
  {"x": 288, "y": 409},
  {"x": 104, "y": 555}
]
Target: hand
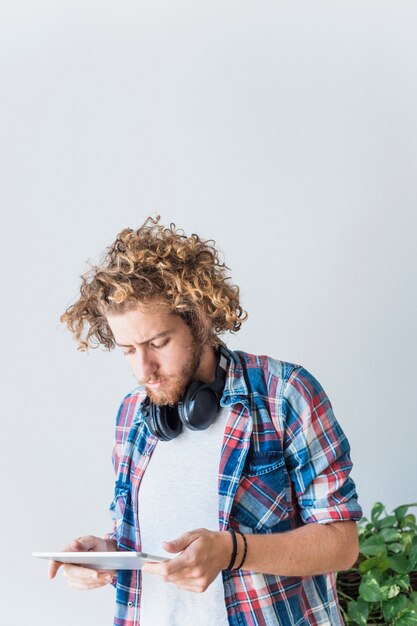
[
  {"x": 80, "y": 577},
  {"x": 204, "y": 554}
]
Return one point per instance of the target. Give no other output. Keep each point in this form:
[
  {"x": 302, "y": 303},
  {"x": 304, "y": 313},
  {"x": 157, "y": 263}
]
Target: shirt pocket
[{"x": 262, "y": 498}]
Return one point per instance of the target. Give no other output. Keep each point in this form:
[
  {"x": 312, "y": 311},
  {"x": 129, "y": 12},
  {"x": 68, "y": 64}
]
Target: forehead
[{"x": 142, "y": 324}]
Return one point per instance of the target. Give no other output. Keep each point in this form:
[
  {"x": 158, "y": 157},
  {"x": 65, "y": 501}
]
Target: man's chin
[{"x": 163, "y": 398}]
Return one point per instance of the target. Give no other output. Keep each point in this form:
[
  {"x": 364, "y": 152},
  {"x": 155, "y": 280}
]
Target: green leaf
[
  {"x": 363, "y": 529},
  {"x": 373, "y": 546},
  {"x": 403, "y": 581},
  {"x": 391, "y": 608},
  {"x": 375, "y": 575},
  {"x": 407, "y": 537},
  {"x": 369, "y": 590},
  {"x": 358, "y": 611},
  {"x": 390, "y": 534},
  {"x": 397, "y": 548},
  {"x": 409, "y": 520},
  {"x": 399, "y": 563},
  {"x": 376, "y": 511},
  {"x": 407, "y": 617},
  {"x": 400, "y": 511},
  {"x": 390, "y": 591},
  {"x": 412, "y": 557},
  {"x": 380, "y": 562},
  {"x": 412, "y": 598},
  {"x": 390, "y": 520}
]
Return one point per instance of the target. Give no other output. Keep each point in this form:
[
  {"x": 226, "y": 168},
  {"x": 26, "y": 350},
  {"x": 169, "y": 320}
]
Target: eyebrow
[{"x": 163, "y": 334}]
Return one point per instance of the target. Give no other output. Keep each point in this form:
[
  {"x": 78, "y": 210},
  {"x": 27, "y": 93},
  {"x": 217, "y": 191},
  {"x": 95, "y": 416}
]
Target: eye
[
  {"x": 160, "y": 345},
  {"x": 130, "y": 351}
]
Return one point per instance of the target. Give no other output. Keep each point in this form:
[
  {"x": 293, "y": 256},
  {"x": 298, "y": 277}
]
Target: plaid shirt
[{"x": 285, "y": 461}]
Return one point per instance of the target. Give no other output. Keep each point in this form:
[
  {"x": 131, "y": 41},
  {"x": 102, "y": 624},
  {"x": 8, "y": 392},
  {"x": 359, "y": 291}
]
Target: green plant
[{"x": 381, "y": 588}]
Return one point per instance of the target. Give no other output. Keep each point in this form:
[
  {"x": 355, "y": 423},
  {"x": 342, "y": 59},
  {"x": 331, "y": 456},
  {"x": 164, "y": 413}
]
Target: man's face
[{"x": 160, "y": 349}]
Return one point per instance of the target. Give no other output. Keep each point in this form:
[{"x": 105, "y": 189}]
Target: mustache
[{"x": 151, "y": 380}]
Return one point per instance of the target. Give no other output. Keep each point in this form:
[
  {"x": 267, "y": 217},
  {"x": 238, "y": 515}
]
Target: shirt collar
[{"x": 235, "y": 388}]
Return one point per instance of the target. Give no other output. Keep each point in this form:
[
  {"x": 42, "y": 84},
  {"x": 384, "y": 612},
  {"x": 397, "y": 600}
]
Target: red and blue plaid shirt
[{"x": 285, "y": 461}]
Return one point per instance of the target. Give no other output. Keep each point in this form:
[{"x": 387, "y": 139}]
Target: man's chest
[{"x": 239, "y": 460}]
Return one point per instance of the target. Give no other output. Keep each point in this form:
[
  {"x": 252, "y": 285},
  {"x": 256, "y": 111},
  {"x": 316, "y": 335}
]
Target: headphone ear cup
[
  {"x": 163, "y": 421},
  {"x": 186, "y": 403},
  {"x": 199, "y": 406}
]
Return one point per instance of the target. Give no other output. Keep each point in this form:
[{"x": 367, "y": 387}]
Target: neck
[{"x": 208, "y": 365}]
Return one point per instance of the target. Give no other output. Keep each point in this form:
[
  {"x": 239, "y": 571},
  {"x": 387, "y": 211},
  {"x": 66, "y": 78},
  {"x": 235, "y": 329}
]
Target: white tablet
[{"x": 103, "y": 560}]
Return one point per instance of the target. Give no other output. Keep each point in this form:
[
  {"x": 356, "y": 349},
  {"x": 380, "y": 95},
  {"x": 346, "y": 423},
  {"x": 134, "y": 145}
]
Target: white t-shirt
[{"x": 178, "y": 493}]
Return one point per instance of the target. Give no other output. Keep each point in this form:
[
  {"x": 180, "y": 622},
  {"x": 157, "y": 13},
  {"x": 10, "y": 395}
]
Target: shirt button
[{"x": 130, "y": 604}]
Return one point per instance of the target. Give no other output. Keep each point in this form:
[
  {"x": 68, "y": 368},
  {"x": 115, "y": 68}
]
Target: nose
[{"x": 144, "y": 364}]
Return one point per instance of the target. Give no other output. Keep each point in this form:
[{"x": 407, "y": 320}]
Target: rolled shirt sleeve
[{"x": 317, "y": 453}]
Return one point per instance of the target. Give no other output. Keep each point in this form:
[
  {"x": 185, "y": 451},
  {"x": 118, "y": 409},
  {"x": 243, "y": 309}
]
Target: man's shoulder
[
  {"x": 270, "y": 366},
  {"x": 275, "y": 376}
]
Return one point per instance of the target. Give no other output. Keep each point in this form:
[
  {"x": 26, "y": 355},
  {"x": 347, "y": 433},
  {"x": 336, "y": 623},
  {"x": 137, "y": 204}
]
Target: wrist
[
  {"x": 226, "y": 548},
  {"x": 237, "y": 551},
  {"x": 242, "y": 550}
]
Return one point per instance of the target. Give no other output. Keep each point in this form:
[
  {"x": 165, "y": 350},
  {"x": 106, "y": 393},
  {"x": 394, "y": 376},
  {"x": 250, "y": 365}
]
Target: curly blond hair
[{"x": 156, "y": 265}]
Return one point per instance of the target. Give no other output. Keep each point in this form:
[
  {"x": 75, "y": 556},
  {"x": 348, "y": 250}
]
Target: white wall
[{"x": 287, "y": 132}]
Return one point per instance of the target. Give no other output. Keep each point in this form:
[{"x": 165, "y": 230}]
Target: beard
[{"x": 176, "y": 388}]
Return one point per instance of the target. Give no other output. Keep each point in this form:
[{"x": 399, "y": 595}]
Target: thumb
[
  {"x": 83, "y": 544},
  {"x": 180, "y": 543}
]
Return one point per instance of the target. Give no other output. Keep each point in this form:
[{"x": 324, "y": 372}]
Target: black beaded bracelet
[
  {"x": 234, "y": 552},
  {"x": 245, "y": 550}
]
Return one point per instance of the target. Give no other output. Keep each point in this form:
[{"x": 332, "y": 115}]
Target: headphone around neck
[{"x": 197, "y": 410}]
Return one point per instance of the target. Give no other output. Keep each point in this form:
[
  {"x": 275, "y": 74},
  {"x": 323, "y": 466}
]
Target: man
[{"x": 237, "y": 459}]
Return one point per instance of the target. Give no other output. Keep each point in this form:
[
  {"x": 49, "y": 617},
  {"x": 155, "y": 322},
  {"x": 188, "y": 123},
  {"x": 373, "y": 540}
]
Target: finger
[
  {"x": 85, "y": 586},
  {"x": 154, "y": 568},
  {"x": 79, "y": 572},
  {"x": 186, "y": 586},
  {"x": 98, "y": 578},
  {"x": 186, "y": 575},
  {"x": 76, "y": 545},
  {"x": 181, "y": 542},
  {"x": 168, "y": 568},
  {"x": 53, "y": 568},
  {"x": 83, "y": 544}
]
